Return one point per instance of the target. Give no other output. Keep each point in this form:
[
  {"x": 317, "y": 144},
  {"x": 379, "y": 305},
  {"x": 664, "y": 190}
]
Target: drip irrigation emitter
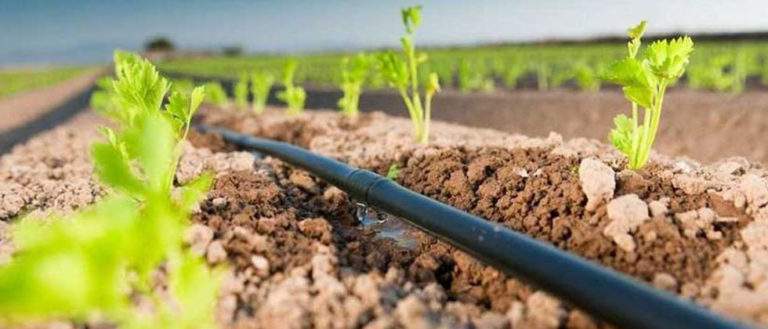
[{"x": 607, "y": 294}]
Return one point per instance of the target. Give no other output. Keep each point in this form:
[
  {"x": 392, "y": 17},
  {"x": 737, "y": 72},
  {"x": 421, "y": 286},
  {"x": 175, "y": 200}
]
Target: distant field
[
  {"x": 18, "y": 80},
  {"x": 727, "y": 66}
]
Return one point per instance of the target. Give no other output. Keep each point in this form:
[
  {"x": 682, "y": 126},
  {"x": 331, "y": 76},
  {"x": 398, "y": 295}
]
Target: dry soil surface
[
  {"x": 704, "y": 126},
  {"x": 300, "y": 258}
]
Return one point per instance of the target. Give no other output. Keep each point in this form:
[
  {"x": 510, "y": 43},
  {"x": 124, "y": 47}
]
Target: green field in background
[
  {"x": 13, "y": 81},
  {"x": 715, "y": 65}
]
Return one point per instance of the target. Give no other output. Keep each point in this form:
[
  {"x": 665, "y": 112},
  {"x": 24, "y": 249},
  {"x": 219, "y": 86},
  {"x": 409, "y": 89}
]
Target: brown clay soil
[
  {"x": 301, "y": 259},
  {"x": 704, "y": 126}
]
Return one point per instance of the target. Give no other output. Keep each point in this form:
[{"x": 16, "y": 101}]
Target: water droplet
[{"x": 361, "y": 212}]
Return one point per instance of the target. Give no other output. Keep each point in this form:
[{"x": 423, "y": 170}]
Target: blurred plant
[
  {"x": 183, "y": 86},
  {"x": 543, "y": 73},
  {"x": 293, "y": 96},
  {"x": 586, "y": 78},
  {"x": 402, "y": 74},
  {"x": 97, "y": 263},
  {"x": 472, "y": 77},
  {"x": 261, "y": 84},
  {"x": 712, "y": 74},
  {"x": 644, "y": 82},
  {"x": 241, "y": 92},
  {"x": 215, "y": 94},
  {"x": 393, "y": 172},
  {"x": 353, "y": 73},
  {"x": 512, "y": 73}
]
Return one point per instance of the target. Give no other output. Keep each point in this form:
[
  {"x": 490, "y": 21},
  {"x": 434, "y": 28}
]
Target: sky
[{"x": 86, "y": 31}]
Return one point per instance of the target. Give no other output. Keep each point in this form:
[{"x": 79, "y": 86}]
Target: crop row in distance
[{"x": 716, "y": 65}]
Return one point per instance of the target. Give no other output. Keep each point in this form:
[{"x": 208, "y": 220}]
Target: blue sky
[{"x": 43, "y": 31}]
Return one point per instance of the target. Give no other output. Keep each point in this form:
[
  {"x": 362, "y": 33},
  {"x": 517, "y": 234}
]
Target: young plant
[
  {"x": 511, "y": 74},
  {"x": 353, "y": 73},
  {"x": 644, "y": 81},
  {"x": 97, "y": 263},
  {"x": 293, "y": 96},
  {"x": 472, "y": 76},
  {"x": 261, "y": 84},
  {"x": 543, "y": 73},
  {"x": 586, "y": 78},
  {"x": 400, "y": 72},
  {"x": 241, "y": 92},
  {"x": 393, "y": 172},
  {"x": 215, "y": 94}
]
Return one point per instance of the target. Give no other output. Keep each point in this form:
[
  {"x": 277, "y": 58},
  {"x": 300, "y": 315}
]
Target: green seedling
[
  {"x": 215, "y": 94},
  {"x": 393, "y": 172},
  {"x": 586, "y": 78},
  {"x": 511, "y": 74},
  {"x": 241, "y": 92},
  {"x": 400, "y": 72},
  {"x": 97, "y": 263},
  {"x": 353, "y": 73},
  {"x": 543, "y": 74},
  {"x": 183, "y": 86},
  {"x": 644, "y": 81},
  {"x": 261, "y": 84},
  {"x": 293, "y": 96},
  {"x": 473, "y": 77}
]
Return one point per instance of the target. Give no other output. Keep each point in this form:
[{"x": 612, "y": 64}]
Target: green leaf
[
  {"x": 153, "y": 144},
  {"x": 641, "y": 95},
  {"x": 195, "y": 190},
  {"x": 637, "y": 31},
  {"x": 433, "y": 85},
  {"x": 139, "y": 87},
  {"x": 113, "y": 169},
  {"x": 195, "y": 288},
  {"x": 215, "y": 94},
  {"x": 411, "y": 18},
  {"x": 394, "y": 70},
  {"x": 621, "y": 136}
]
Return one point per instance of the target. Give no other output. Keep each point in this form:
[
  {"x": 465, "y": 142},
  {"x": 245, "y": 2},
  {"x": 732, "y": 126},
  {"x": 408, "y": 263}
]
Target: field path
[
  {"x": 25, "y": 114},
  {"x": 21, "y": 108}
]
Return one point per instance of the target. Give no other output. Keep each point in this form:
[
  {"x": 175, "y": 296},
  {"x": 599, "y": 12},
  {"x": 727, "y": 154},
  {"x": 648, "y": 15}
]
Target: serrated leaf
[
  {"x": 637, "y": 31},
  {"x": 394, "y": 70},
  {"x": 641, "y": 95},
  {"x": 152, "y": 145},
  {"x": 411, "y": 18},
  {"x": 195, "y": 190},
  {"x": 621, "y": 135},
  {"x": 113, "y": 169}
]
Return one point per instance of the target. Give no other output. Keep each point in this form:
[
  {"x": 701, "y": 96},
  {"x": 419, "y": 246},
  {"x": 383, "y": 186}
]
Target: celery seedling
[
  {"x": 393, "y": 172},
  {"x": 644, "y": 82},
  {"x": 353, "y": 73},
  {"x": 293, "y": 96},
  {"x": 241, "y": 92},
  {"x": 402, "y": 74},
  {"x": 261, "y": 84},
  {"x": 96, "y": 263},
  {"x": 216, "y": 95}
]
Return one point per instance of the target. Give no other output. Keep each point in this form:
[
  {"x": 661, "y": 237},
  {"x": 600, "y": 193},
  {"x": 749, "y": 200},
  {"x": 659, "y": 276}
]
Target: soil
[
  {"x": 704, "y": 126},
  {"x": 300, "y": 258}
]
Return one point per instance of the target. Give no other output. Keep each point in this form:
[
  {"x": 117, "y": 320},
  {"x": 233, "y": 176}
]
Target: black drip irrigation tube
[{"x": 607, "y": 294}]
